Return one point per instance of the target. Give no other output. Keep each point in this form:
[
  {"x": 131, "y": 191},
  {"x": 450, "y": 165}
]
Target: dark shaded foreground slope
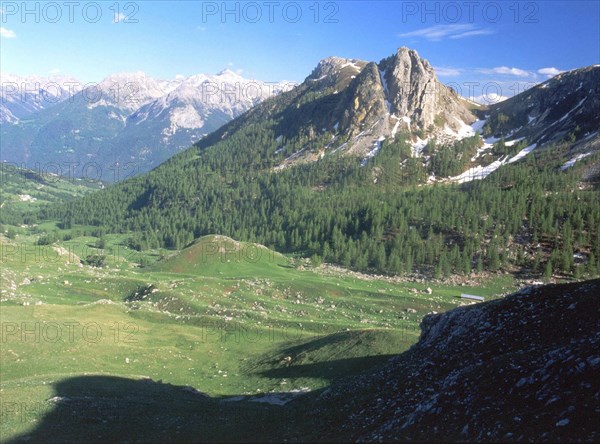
[{"x": 525, "y": 367}]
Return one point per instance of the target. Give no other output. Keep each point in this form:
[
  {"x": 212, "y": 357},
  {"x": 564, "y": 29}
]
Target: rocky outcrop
[
  {"x": 520, "y": 368},
  {"x": 335, "y": 71},
  {"x": 548, "y": 111},
  {"x": 365, "y": 104},
  {"x": 414, "y": 91}
]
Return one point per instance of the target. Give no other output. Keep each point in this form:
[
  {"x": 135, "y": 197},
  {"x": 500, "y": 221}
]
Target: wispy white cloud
[
  {"x": 118, "y": 17},
  {"x": 505, "y": 70},
  {"x": 455, "y": 31},
  {"x": 7, "y": 33},
  {"x": 483, "y": 31},
  {"x": 511, "y": 71},
  {"x": 550, "y": 72},
  {"x": 54, "y": 71},
  {"x": 447, "y": 72}
]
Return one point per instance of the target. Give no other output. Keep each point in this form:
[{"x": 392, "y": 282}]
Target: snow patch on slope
[
  {"x": 374, "y": 151},
  {"x": 574, "y": 108},
  {"x": 352, "y": 64},
  {"x": 571, "y": 162},
  {"x": 477, "y": 173},
  {"x": 464, "y": 130},
  {"x": 522, "y": 153},
  {"x": 418, "y": 146},
  {"x": 481, "y": 172},
  {"x": 477, "y": 126},
  {"x": 26, "y": 198}
]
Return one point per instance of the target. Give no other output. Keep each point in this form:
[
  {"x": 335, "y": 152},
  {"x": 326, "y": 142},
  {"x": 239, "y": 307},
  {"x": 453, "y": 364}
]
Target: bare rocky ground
[{"x": 520, "y": 368}]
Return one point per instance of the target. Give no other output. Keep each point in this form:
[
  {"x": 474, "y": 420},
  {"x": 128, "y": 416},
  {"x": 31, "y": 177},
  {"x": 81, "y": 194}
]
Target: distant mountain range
[
  {"x": 23, "y": 96},
  {"x": 129, "y": 121}
]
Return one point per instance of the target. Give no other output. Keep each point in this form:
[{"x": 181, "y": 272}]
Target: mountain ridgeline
[
  {"x": 358, "y": 164},
  {"x": 129, "y": 122},
  {"x": 564, "y": 108}
]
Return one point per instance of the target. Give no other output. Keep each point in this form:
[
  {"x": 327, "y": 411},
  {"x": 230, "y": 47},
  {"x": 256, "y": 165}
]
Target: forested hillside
[{"x": 528, "y": 215}]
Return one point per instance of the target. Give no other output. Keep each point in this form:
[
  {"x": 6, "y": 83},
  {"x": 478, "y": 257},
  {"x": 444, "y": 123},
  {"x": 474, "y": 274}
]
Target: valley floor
[{"x": 212, "y": 343}]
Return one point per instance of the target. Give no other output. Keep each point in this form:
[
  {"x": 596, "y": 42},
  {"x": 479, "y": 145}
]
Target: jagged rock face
[
  {"x": 401, "y": 91},
  {"x": 365, "y": 104},
  {"x": 411, "y": 85},
  {"x": 414, "y": 91},
  {"x": 403, "y": 85}
]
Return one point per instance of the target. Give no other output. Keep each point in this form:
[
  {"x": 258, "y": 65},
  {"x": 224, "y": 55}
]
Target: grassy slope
[
  {"x": 22, "y": 189},
  {"x": 218, "y": 317}
]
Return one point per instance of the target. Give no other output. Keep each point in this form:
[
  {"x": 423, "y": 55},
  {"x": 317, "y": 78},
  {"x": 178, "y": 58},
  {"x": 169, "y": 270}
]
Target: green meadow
[{"x": 221, "y": 327}]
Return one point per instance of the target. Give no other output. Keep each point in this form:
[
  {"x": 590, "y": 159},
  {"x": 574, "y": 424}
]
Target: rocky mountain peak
[
  {"x": 408, "y": 63},
  {"x": 127, "y": 91},
  {"x": 333, "y": 70},
  {"x": 360, "y": 104},
  {"x": 227, "y": 75},
  {"x": 413, "y": 91}
]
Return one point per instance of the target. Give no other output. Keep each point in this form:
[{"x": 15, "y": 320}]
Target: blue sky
[{"x": 510, "y": 44}]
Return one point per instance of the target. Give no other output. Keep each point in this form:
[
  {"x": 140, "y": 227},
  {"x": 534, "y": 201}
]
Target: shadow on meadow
[
  {"x": 114, "y": 409},
  {"x": 329, "y": 370}
]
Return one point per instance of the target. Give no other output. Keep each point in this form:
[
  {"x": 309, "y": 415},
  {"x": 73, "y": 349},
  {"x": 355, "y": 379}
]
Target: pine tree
[{"x": 548, "y": 271}]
